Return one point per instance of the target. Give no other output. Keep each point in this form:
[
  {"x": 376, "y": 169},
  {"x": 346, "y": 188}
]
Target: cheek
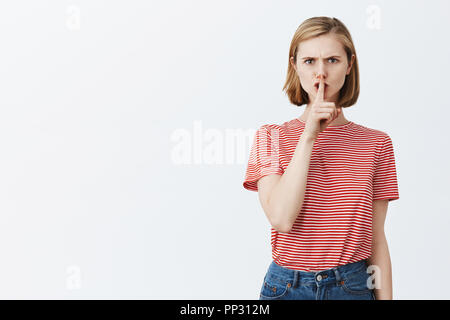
[
  {"x": 304, "y": 79},
  {"x": 339, "y": 78},
  {"x": 342, "y": 81}
]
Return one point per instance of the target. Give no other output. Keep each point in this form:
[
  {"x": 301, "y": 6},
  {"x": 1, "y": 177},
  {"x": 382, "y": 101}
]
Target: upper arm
[
  {"x": 264, "y": 157},
  {"x": 265, "y": 187},
  {"x": 379, "y": 209}
]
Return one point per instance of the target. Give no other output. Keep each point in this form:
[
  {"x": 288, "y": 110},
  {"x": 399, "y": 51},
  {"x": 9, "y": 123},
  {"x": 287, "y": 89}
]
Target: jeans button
[{"x": 319, "y": 277}]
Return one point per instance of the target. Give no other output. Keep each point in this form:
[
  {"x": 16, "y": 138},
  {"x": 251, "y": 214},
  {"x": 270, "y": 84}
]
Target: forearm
[
  {"x": 287, "y": 196},
  {"x": 380, "y": 257}
]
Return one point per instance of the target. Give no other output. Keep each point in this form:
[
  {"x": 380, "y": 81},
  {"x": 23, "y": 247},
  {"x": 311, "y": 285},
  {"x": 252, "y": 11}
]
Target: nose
[
  {"x": 320, "y": 72},
  {"x": 318, "y": 76}
]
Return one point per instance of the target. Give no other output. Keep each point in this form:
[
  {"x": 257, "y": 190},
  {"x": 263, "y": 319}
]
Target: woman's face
[{"x": 323, "y": 56}]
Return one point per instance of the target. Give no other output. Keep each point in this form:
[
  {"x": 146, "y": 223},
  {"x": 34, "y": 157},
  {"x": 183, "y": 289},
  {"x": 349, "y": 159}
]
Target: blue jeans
[{"x": 346, "y": 282}]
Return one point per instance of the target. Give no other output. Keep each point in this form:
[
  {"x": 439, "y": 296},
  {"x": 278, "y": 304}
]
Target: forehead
[{"x": 322, "y": 46}]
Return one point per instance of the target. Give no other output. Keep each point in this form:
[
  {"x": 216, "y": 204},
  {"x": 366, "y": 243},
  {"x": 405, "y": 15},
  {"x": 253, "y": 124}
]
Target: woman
[{"x": 323, "y": 181}]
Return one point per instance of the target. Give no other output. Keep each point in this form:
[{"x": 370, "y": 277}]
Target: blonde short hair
[{"x": 314, "y": 27}]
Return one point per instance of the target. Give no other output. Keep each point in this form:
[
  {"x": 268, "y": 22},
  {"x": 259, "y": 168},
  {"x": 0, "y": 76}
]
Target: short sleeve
[
  {"x": 385, "y": 175},
  {"x": 264, "y": 157}
]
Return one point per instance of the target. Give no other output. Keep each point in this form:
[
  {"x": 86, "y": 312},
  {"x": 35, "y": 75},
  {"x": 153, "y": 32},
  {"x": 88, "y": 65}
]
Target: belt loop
[
  {"x": 337, "y": 274},
  {"x": 296, "y": 276}
]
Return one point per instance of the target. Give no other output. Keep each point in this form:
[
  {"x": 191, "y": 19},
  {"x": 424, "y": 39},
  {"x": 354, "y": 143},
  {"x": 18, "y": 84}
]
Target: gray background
[{"x": 95, "y": 95}]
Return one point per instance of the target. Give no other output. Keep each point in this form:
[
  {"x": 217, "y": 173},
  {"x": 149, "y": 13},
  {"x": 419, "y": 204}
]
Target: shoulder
[
  {"x": 282, "y": 128},
  {"x": 373, "y": 134}
]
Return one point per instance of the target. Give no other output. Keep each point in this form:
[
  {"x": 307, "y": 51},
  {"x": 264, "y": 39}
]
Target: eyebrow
[{"x": 334, "y": 56}]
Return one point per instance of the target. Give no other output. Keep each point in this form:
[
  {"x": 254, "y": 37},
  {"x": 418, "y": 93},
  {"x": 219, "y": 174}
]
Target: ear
[
  {"x": 291, "y": 60},
  {"x": 351, "y": 64}
]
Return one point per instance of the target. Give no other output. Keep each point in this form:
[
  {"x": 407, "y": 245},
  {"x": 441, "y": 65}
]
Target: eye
[{"x": 328, "y": 59}]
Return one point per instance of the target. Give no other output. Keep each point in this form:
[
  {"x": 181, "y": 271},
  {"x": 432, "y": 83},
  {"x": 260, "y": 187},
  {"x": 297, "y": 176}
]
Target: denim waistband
[{"x": 333, "y": 274}]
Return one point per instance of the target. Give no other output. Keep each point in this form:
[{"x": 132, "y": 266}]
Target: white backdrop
[{"x": 125, "y": 130}]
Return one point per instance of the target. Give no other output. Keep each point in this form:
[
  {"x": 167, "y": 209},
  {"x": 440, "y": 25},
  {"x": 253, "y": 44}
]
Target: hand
[{"x": 322, "y": 113}]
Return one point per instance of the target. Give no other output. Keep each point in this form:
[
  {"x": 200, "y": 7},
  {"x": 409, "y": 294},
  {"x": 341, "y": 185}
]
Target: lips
[{"x": 316, "y": 85}]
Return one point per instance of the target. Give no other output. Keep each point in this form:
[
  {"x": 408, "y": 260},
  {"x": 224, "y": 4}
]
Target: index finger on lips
[{"x": 320, "y": 91}]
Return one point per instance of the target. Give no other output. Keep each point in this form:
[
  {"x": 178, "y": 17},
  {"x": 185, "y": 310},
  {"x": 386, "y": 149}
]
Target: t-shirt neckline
[{"x": 329, "y": 126}]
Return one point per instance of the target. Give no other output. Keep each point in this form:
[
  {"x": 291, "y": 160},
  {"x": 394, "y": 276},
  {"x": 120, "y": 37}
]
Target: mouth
[{"x": 316, "y": 85}]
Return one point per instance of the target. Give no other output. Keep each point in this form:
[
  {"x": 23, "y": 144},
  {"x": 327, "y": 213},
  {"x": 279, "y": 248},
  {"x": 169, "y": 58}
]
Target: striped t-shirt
[{"x": 351, "y": 165}]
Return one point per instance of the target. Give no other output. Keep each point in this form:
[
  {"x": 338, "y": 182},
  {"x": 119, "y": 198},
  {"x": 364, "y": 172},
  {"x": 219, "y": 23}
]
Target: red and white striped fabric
[{"x": 351, "y": 165}]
